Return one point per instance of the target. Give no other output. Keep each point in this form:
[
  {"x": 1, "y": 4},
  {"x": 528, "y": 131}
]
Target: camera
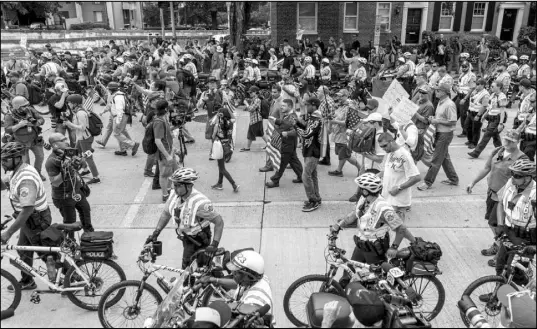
[{"x": 70, "y": 152}]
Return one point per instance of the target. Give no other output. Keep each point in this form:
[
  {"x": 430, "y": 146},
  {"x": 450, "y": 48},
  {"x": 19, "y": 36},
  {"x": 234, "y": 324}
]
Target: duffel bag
[
  {"x": 426, "y": 251},
  {"x": 97, "y": 250},
  {"x": 98, "y": 236}
]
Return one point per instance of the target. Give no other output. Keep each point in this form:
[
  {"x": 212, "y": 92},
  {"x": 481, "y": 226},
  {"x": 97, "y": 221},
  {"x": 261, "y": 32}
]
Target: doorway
[
  {"x": 413, "y": 25},
  {"x": 508, "y": 24}
]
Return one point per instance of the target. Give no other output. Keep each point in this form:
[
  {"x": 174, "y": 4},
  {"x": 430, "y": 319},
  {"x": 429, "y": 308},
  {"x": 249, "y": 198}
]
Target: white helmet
[
  {"x": 369, "y": 182},
  {"x": 307, "y": 59},
  {"x": 513, "y": 58},
  {"x": 19, "y": 101},
  {"x": 362, "y": 60},
  {"x": 401, "y": 59},
  {"x": 524, "y": 58},
  {"x": 249, "y": 262},
  {"x": 89, "y": 49},
  {"x": 465, "y": 55},
  {"x": 184, "y": 175},
  {"x": 255, "y": 62},
  {"x": 407, "y": 54},
  {"x": 325, "y": 60},
  {"x": 120, "y": 59}
]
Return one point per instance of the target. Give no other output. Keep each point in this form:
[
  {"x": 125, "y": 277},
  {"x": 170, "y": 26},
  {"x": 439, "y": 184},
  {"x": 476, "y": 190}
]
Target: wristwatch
[{"x": 394, "y": 246}]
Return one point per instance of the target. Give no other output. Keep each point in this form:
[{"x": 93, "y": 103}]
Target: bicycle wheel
[
  {"x": 490, "y": 308},
  {"x": 102, "y": 274},
  {"x": 10, "y": 299},
  {"x": 432, "y": 295},
  {"x": 133, "y": 307},
  {"x": 297, "y": 295}
]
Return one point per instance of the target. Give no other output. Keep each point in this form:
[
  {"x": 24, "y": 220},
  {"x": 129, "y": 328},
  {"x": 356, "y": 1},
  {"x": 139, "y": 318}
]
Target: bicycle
[
  {"x": 145, "y": 300},
  {"x": 369, "y": 276},
  {"x": 84, "y": 279},
  {"x": 489, "y": 304}
]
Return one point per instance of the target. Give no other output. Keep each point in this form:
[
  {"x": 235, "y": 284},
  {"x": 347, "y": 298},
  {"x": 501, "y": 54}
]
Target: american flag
[
  {"x": 429, "y": 139},
  {"x": 353, "y": 118},
  {"x": 88, "y": 102},
  {"x": 274, "y": 144}
]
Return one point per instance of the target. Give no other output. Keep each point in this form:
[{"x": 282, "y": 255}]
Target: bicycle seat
[
  {"x": 403, "y": 254},
  {"x": 72, "y": 227}
]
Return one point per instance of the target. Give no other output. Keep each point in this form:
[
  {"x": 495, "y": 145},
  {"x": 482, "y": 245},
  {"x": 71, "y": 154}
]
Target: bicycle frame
[{"x": 54, "y": 286}]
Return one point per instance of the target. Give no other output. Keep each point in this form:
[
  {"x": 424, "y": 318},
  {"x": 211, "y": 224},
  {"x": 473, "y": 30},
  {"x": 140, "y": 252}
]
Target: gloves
[
  {"x": 211, "y": 250},
  {"x": 153, "y": 237},
  {"x": 334, "y": 230}
]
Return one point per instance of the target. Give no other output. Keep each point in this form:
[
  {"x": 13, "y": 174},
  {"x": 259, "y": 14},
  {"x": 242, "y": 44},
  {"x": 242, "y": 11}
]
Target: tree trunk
[
  {"x": 214, "y": 20},
  {"x": 237, "y": 25}
]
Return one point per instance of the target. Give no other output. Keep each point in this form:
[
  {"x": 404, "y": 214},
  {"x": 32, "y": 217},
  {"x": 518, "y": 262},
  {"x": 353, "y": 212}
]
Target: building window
[
  {"x": 65, "y": 14},
  {"x": 479, "y": 16},
  {"x": 97, "y": 16},
  {"x": 351, "y": 17},
  {"x": 446, "y": 16},
  {"x": 384, "y": 10},
  {"x": 307, "y": 17},
  {"x": 126, "y": 16},
  {"x": 96, "y": 2}
]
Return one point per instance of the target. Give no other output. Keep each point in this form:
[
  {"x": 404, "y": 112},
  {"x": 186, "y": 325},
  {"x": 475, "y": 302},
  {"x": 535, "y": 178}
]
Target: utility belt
[
  {"x": 203, "y": 238},
  {"x": 521, "y": 232},
  {"x": 493, "y": 118},
  {"x": 38, "y": 220},
  {"x": 379, "y": 246}
]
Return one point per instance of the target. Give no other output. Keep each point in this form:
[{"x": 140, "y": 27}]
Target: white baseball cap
[{"x": 374, "y": 117}]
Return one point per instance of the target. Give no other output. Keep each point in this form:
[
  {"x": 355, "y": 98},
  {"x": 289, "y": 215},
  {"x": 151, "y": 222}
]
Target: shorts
[
  {"x": 255, "y": 130},
  {"x": 342, "y": 151}
]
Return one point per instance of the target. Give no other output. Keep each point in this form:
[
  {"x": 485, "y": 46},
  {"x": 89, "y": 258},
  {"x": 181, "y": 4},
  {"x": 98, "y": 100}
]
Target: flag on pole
[
  {"x": 274, "y": 144},
  {"x": 88, "y": 102}
]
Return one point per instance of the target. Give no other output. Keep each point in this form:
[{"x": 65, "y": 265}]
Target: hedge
[{"x": 89, "y": 26}]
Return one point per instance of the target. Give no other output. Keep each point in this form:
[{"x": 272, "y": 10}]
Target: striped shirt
[
  {"x": 521, "y": 214},
  {"x": 259, "y": 294},
  {"x": 193, "y": 214},
  {"x": 27, "y": 189}
]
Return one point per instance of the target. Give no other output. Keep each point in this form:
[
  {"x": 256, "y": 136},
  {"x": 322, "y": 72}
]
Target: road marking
[{"x": 135, "y": 206}]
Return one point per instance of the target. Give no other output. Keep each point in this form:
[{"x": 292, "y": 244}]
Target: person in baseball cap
[
  {"x": 374, "y": 117},
  {"x": 512, "y": 135},
  {"x": 372, "y": 105},
  {"x": 216, "y": 315},
  {"x": 366, "y": 305},
  {"x": 518, "y": 308}
]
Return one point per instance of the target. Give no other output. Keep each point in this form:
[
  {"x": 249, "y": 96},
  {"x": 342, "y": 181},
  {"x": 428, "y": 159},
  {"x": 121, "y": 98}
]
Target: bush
[
  {"x": 526, "y": 31},
  {"x": 89, "y": 26}
]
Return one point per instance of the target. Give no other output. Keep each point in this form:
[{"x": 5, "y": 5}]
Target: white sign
[
  {"x": 395, "y": 93},
  {"x": 24, "y": 41},
  {"x": 404, "y": 111}
]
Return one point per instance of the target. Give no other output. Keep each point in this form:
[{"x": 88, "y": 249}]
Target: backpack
[
  {"x": 426, "y": 251},
  {"x": 128, "y": 107},
  {"x": 362, "y": 139},
  {"x": 148, "y": 142},
  {"x": 95, "y": 124},
  {"x": 265, "y": 108}
]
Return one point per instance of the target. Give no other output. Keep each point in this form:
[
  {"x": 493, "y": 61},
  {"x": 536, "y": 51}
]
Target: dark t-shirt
[
  {"x": 136, "y": 70},
  {"x": 163, "y": 131},
  {"x": 52, "y": 109},
  {"x": 287, "y": 62},
  {"x": 64, "y": 191}
]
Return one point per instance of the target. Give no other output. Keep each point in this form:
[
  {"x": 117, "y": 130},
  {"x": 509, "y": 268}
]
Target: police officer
[
  {"x": 29, "y": 202},
  {"x": 193, "y": 212},
  {"x": 24, "y": 123},
  {"x": 375, "y": 219}
]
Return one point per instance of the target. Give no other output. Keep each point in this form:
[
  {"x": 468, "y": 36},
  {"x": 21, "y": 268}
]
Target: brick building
[{"x": 406, "y": 20}]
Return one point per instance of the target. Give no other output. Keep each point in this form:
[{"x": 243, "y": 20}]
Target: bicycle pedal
[{"x": 35, "y": 298}]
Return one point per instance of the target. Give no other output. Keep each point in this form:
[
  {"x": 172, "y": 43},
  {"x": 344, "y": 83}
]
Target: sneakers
[
  {"x": 122, "y": 153},
  {"x": 493, "y": 250},
  {"x": 324, "y": 163},
  {"x": 101, "y": 143},
  {"x": 423, "y": 186},
  {"x": 217, "y": 187},
  {"x": 461, "y": 135},
  {"x": 149, "y": 174},
  {"x": 165, "y": 198},
  {"x": 24, "y": 286},
  {"x": 94, "y": 180},
  {"x": 311, "y": 206},
  {"x": 236, "y": 188},
  {"x": 155, "y": 187},
  {"x": 272, "y": 184},
  {"x": 486, "y": 298},
  {"x": 449, "y": 182},
  {"x": 266, "y": 169},
  {"x": 335, "y": 173},
  {"x": 471, "y": 146},
  {"x": 467, "y": 143},
  {"x": 135, "y": 148},
  {"x": 472, "y": 155},
  {"x": 492, "y": 263},
  {"x": 297, "y": 180}
]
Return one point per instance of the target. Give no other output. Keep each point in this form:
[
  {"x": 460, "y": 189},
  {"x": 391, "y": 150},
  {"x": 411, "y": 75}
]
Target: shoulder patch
[
  {"x": 390, "y": 216},
  {"x": 24, "y": 191},
  {"x": 208, "y": 207}
]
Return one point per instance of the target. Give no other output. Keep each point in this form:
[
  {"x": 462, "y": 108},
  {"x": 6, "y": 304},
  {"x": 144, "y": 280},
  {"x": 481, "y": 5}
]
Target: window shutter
[
  {"x": 469, "y": 16},
  {"x": 436, "y": 16},
  {"x": 457, "y": 18},
  {"x": 490, "y": 15}
]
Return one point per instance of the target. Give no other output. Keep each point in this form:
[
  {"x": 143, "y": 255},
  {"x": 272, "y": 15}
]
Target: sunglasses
[
  {"x": 384, "y": 146},
  {"x": 179, "y": 184},
  {"x": 517, "y": 176}
]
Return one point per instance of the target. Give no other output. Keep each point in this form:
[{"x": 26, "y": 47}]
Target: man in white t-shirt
[{"x": 400, "y": 174}]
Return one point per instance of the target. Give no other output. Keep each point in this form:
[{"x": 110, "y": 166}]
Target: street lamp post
[
  {"x": 228, "y": 4},
  {"x": 172, "y": 16}
]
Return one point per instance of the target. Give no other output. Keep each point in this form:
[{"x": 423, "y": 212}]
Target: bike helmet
[
  {"x": 255, "y": 62},
  {"x": 524, "y": 58},
  {"x": 325, "y": 60},
  {"x": 113, "y": 86},
  {"x": 465, "y": 55},
  {"x": 12, "y": 150},
  {"x": 47, "y": 55},
  {"x": 18, "y": 102},
  {"x": 524, "y": 167},
  {"x": 362, "y": 60},
  {"x": 184, "y": 175},
  {"x": 369, "y": 182},
  {"x": 401, "y": 59},
  {"x": 120, "y": 60},
  {"x": 75, "y": 98},
  {"x": 307, "y": 59},
  {"x": 513, "y": 58},
  {"x": 407, "y": 54},
  {"x": 248, "y": 262}
]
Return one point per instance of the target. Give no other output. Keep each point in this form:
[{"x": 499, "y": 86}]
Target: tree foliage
[
  {"x": 12, "y": 9},
  {"x": 202, "y": 12}
]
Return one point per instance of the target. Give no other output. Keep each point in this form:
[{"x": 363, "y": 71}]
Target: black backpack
[
  {"x": 362, "y": 139},
  {"x": 265, "y": 108},
  {"x": 148, "y": 142},
  {"x": 426, "y": 251},
  {"x": 95, "y": 124}
]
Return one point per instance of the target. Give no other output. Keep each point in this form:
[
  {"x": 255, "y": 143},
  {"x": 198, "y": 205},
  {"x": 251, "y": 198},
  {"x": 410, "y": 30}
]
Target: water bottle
[{"x": 51, "y": 268}]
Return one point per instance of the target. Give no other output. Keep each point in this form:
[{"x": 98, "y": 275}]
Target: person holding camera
[
  {"x": 57, "y": 106},
  {"x": 23, "y": 124},
  {"x": 84, "y": 139},
  {"x": 29, "y": 201},
  {"x": 68, "y": 189}
]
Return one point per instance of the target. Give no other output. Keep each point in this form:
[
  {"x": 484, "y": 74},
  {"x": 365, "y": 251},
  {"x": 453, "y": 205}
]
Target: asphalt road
[{"x": 270, "y": 220}]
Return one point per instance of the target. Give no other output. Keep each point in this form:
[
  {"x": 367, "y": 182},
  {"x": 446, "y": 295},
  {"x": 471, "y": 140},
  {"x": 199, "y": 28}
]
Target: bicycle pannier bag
[{"x": 97, "y": 245}]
